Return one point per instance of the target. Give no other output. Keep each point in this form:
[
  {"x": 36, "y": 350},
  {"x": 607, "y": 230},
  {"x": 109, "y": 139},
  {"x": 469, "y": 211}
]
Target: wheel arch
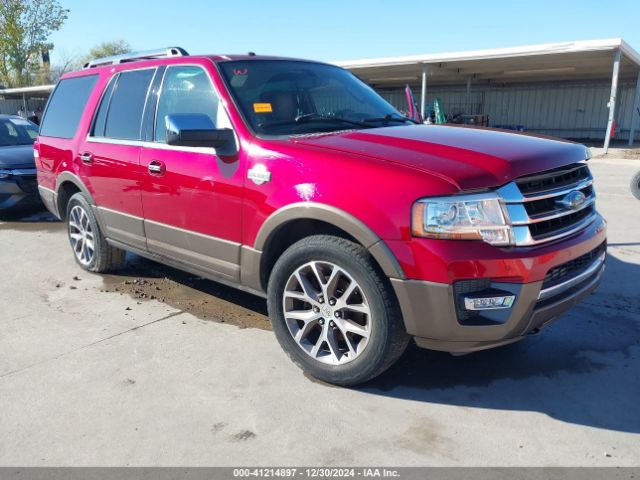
[
  {"x": 296, "y": 221},
  {"x": 67, "y": 184}
]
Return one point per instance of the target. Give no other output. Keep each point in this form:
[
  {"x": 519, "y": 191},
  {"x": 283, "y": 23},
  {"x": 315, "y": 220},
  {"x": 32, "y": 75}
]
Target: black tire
[
  {"x": 635, "y": 185},
  {"x": 388, "y": 338},
  {"x": 105, "y": 257}
]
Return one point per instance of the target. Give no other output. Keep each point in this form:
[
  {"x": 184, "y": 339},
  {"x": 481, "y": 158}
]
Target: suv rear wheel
[
  {"x": 635, "y": 185},
  {"x": 333, "y": 312},
  {"x": 90, "y": 248}
]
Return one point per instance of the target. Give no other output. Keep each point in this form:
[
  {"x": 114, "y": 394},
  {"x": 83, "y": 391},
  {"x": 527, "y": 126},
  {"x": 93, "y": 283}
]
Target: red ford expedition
[{"x": 294, "y": 180}]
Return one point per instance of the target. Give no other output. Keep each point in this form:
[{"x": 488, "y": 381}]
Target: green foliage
[
  {"x": 25, "y": 27},
  {"x": 68, "y": 61},
  {"x": 107, "y": 49}
]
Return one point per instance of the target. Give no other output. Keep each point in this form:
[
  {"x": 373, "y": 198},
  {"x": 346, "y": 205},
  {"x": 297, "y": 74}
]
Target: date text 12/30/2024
[{"x": 315, "y": 472}]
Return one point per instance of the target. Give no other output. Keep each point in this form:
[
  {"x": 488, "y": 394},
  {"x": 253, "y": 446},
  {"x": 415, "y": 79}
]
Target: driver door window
[
  {"x": 185, "y": 89},
  {"x": 191, "y": 199}
]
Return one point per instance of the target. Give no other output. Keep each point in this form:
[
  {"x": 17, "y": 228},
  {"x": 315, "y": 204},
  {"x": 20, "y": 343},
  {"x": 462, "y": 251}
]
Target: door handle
[
  {"x": 86, "y": 157},
  {"x": 156, "y": 168}
]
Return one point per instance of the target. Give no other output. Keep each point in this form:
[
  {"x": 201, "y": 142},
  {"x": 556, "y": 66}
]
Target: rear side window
[
  {"x": 120, "y": 113},
  {"x": 66, "y": 105},
  {"x": 101, "y": 117}
]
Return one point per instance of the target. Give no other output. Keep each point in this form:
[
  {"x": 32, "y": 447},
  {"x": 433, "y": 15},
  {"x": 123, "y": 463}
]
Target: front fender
[{"x": 340, "y": 219}]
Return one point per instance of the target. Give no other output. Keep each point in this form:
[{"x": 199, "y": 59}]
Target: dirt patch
[
  {"x": 629, "y": 154},
  {"x": 421, "y": 437},
  {"x": 617, "y": 153},
  {"x": 243, "y": 436},
  {"x": 218, "y": 427},
  {"x": 144, "y": 280}
]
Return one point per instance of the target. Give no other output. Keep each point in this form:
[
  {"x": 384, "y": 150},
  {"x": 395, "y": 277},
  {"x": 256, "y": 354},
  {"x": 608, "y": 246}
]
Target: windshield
[
  {"x": 17, "y": 131},
  {"x": 283, "y": 97}
]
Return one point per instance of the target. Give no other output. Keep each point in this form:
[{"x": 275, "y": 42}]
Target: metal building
[
  {"x": 26, "y": 99},
  {"x": 587, "y": 90}
]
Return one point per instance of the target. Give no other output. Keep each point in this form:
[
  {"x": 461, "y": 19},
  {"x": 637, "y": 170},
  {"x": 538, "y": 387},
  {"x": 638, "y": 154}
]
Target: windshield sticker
[{"x": 262, "y": 108}]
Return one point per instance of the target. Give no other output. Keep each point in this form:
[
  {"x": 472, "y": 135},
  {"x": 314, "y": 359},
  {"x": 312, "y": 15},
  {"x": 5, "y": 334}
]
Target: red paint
[
  {"x": 375, "y": 175},
  {"x": 113, "y": 177},
  {"x": 196, "y": 192}
]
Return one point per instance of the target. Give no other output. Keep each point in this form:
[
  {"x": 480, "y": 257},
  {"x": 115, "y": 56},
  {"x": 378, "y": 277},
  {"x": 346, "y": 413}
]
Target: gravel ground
[{"x": 155, "y": 367}]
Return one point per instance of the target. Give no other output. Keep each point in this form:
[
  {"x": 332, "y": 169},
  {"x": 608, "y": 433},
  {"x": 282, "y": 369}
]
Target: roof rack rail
[{"x": 133, "y": 56}]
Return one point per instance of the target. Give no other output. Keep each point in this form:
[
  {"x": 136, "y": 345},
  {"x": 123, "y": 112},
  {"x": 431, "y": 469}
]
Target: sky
[{"x": 340, "y": 29}]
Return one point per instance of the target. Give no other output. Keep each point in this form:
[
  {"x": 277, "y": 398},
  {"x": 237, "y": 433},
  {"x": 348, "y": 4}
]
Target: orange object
[{"x": 262, "y": 108}]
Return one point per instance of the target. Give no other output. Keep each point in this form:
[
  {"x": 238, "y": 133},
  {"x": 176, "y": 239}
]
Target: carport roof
[
  {"x": 578, "y": 60},
  {"x": 28, "y": 92}
]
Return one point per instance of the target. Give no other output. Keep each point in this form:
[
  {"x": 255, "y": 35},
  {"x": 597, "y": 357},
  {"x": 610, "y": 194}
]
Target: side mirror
[{"x": 197, "y": 130}]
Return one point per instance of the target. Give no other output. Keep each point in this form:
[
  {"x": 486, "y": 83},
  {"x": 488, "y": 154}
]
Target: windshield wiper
[
  {"x": 311, "y": 117},
  {"x": 321, "y": 117},
  {"x": 391, "y": 118}
]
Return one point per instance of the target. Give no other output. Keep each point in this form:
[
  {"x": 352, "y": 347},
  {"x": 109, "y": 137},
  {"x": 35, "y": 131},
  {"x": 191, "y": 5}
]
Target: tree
[
  {"x": 67, "y": 61},
  {"x": 107, "y": 49},
  {"x": 25, "y": 26}
]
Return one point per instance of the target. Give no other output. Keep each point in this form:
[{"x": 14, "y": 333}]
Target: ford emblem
[{"x": 573, "y": 200}]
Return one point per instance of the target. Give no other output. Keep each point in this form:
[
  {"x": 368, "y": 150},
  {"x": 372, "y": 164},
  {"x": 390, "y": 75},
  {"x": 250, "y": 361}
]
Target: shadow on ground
[
  {"x": 584, "y": 369},
  {"x": 35, "y": 217}
]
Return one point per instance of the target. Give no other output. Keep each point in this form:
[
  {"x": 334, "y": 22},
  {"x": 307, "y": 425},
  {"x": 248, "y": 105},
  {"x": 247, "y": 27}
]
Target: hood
[
  {"x": 17, "y": 156},
  {"x": 468, "y": 157}
]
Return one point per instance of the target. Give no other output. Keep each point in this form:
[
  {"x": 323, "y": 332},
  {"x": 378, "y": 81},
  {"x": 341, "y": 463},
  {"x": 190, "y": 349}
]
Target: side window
[
  {"x": 185, "y": 89},
  {"x": 66, "y": 105},
  {"x": 101, "y": 117},
  {"x": 124, "y": 115}
]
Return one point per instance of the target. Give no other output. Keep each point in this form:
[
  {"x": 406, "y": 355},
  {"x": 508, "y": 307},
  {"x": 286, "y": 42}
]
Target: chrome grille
[
  {"x": 553, "y": 179},
  {"x": 539, "y": 208}
]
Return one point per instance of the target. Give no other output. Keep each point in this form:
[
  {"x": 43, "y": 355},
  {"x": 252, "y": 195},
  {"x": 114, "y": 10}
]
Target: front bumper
[
  {"x": 18, "y": 187},
  {"x": 435, "y": 314}
]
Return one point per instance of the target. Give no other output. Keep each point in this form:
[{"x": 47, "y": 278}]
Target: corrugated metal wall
[
  {"x": 10, "y": 107},
  {"x": 570, "y": 110}
]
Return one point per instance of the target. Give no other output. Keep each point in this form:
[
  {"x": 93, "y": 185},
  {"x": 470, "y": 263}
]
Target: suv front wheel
[{"x": 333, "y": 312}]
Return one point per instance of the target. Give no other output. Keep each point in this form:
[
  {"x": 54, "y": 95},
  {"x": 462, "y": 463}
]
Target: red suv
[{"x": 294, "y": 180}]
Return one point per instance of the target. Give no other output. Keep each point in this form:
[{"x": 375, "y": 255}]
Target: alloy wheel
[
  {"x": 81, "y": 235},
  {"x": 327, "y": 313}
]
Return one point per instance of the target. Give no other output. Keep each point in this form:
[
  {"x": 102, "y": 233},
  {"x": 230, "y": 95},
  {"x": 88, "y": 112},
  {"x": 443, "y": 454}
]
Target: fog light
[{"x": 489, "y": 303}]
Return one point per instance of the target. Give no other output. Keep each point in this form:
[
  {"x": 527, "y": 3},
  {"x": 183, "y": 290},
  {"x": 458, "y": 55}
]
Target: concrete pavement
[{"x": 95, "y": 372}]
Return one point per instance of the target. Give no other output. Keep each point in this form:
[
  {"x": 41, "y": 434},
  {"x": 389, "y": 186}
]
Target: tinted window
[
  {"x": 17, "y": 131},
  {"x": 185, "y": 90},
  {"x": 66, "y": 105},
  {"x": 101, "y": 117},
  {"x": 127, "y": 103}
]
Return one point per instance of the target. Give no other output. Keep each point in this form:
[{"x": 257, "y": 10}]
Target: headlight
[
  {"x": 464, "y": 217},
  {"x": 589, "y": 153}
]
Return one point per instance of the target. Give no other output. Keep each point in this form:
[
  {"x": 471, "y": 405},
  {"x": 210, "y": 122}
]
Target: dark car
[{"x": 18, "y": 182}]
